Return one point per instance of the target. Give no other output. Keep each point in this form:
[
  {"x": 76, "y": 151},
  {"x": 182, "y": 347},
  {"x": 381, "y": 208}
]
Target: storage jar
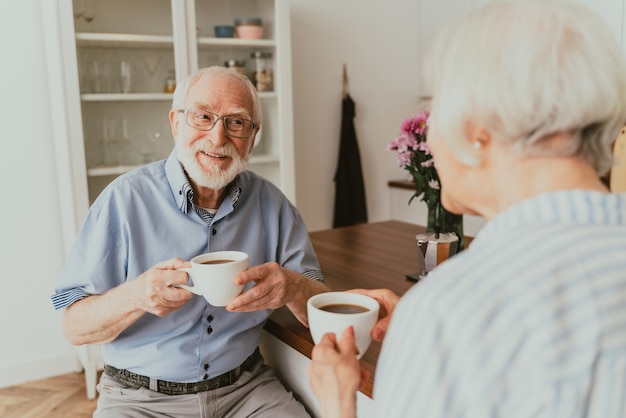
[
  {"x": 262, "y": 74},
  {"x": 249, "y": 27}
]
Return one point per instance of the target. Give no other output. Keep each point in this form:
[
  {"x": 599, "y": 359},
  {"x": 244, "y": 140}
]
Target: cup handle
[{"x": 192, "y": 289}]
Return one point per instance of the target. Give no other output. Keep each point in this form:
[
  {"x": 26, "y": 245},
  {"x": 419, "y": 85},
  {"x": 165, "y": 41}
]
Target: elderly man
[{"x": 168, "y": 352}]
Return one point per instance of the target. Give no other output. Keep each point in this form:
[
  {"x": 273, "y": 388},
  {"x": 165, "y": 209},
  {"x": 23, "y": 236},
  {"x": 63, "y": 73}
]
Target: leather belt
[{"x": 174, "y": 388}]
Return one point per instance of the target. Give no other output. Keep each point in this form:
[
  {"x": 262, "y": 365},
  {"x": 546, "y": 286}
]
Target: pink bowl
[{"x": 249, "y": 32}]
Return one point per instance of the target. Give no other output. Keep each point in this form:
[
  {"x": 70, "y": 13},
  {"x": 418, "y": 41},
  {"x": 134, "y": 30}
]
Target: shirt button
[
  {"x": 209, "y": 318},
  {"x": 209, "y": 329},
  {"x": 214, "y": 231},
  {"x": 206, "y": 366},
  {"x": 206, "y": 376}
]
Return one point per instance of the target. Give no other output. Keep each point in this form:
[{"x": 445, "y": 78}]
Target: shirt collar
[{"x": 181, "y": 187}]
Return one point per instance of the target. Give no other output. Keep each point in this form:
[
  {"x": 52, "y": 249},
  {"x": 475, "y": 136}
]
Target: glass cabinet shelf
[
  {"x": 128, "y": 40},
  {"x": 129, "y": 97},
  {"x": 110, "y": 171},
  {"x": 125, "y": 97},
  {"x": 235, "y": 42},
  {"x": 121, "y": 169},
  {"x": 264, "y": 159}
]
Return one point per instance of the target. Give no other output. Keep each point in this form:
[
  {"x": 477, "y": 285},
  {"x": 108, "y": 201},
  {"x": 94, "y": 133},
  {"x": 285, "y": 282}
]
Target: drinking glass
[
  {"x": 126, "y": 71},
  {"x": 109, "y": 142},
  {"x": 89, "y": 10},
  {"x": 79, "y": 8},
  {"x": 100, "y": 76}
]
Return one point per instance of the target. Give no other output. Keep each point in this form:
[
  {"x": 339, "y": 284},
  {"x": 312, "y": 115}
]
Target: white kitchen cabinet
[
  {"x": 114, "y": 129},
  {"x": 103, "y": 128}
]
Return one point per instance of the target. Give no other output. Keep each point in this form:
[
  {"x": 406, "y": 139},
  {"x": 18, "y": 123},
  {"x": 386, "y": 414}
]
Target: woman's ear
[
  {"x": 478, "y": 140},
  {"x": 477, "y": 136}
]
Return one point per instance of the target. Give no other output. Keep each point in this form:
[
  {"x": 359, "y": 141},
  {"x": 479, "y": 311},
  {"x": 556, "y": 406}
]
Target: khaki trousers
[{"x": 257, "y": 393}]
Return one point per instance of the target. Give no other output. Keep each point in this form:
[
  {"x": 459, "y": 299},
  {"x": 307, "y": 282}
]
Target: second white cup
[
  {"x": 336, "y": 311},
  {"x": 213, "y": 275}
]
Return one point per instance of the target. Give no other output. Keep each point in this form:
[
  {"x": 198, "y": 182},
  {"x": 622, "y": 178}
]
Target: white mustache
[{"x": 228, "y": 150}]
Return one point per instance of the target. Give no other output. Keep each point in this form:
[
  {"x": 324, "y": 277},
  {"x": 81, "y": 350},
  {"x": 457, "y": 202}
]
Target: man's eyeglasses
[{"x": 205, "y": 121}]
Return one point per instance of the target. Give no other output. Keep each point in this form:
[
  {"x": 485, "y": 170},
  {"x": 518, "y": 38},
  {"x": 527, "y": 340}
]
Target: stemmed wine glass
[
  {"x": 109, "y": 142},
  {"x": 79, "y": 8},
  {"x": 89, "y": 11},
  {"x": 152, "y": 135},
  {"x": 151, "y": 62},
  {"x": 125, "y": 139}
]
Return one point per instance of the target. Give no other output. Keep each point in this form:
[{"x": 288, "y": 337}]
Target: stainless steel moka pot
[{"x": 434, "y": 248}]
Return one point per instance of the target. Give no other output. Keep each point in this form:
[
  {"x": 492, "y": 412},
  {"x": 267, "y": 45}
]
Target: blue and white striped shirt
[
  {"x": 530, "y": 321},
  {"x": 146, "y": 216}
]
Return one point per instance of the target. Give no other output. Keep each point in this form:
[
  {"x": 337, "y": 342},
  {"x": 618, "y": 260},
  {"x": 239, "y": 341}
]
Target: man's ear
[
  {"x": 253, "y": 138},
  {"x": 174, "y": 119}
]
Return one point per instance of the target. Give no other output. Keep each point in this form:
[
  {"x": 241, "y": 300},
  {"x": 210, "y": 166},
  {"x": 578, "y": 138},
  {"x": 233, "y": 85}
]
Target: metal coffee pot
[{"x": 433, "y": 248}]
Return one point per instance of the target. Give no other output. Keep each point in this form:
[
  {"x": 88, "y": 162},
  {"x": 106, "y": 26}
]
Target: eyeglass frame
[{"x": 223, "y": 118}]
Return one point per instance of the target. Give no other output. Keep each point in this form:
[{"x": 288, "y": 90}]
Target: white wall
[
  {"x": 31, "y": 343},
  {"x": 377, "y": 40}
]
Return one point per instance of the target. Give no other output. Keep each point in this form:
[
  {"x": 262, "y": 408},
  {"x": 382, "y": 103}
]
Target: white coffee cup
[
  {"x": 215, "y": 280},
  {"x": 322, "y": 321}
]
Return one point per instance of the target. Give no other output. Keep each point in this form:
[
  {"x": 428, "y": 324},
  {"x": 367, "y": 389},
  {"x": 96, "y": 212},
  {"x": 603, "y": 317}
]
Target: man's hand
[
  {"x": 156, "y": 290},
  {"x": 98, "y": 319},
  {"x": 275, "y": 286}
]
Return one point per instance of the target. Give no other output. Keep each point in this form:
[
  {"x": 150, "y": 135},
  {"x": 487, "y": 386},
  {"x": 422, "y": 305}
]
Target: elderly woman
[{"x": 531, "y": 319}]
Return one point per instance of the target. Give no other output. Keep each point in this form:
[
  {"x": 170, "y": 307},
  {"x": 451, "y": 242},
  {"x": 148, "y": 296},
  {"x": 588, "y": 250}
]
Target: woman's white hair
[
  {"x": 182, "y": 88},
  {"x": 524, "y": 70}
]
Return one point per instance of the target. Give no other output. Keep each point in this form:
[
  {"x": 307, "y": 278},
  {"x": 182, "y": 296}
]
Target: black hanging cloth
[{"x": 350, "y": 203}]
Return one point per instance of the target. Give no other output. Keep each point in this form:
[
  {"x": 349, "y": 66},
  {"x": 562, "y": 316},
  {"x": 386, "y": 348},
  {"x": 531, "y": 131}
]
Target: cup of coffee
[
  {"x": 336, "y": 311},
  {"x": 213, "y": 275}
]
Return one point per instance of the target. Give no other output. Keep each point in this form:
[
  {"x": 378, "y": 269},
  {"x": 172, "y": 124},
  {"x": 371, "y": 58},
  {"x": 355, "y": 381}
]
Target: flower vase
[{"x": 439, "y": 219}]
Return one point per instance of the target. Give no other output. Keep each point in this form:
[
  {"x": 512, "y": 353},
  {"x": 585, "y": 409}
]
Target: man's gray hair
[{"x": 182, "y": 89}]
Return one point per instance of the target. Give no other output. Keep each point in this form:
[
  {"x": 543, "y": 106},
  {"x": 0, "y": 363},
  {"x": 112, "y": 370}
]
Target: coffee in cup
[
  {"x": 213, "y": 275},
  {"x": 335, "y": 311},
  {"x": 344, "y": 308}
]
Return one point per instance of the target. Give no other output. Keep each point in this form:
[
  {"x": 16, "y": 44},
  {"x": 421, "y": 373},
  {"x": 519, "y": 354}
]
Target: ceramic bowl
[{"x": 224, "y": 31}]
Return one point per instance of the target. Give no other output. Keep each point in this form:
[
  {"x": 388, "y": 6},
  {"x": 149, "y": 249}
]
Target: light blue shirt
[
  {"x": 145, "y": 217},
  {"x": 530, "y": 321}
]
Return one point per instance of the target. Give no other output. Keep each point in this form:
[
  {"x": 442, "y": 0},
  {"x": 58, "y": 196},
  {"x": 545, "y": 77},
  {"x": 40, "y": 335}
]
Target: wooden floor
[{"x": 57, "y": 397}]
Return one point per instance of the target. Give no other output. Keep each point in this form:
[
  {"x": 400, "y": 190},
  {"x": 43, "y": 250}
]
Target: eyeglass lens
[{"x": 205, "y": 121}]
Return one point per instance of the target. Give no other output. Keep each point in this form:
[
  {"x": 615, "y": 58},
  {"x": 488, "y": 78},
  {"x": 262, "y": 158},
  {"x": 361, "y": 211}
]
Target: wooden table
[{"x": 369, "y": 256}]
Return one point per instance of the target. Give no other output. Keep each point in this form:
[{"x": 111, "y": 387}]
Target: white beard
[{"x": 214, "y": 177}]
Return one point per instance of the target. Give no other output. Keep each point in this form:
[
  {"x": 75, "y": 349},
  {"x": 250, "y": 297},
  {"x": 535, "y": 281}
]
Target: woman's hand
[
  {"x": 387, "y": 301},
  {"x": 335, "y": 375}
]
